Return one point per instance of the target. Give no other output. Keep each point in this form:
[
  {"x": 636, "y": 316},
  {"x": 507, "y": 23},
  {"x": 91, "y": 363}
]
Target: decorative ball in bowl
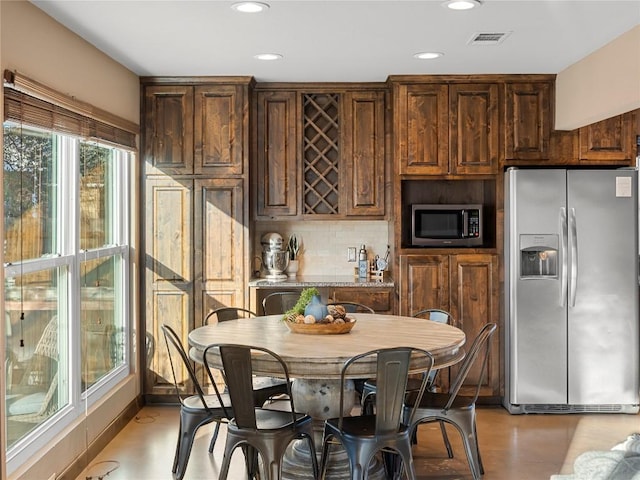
[
  {"x": 321, "y": 328},
  {"x": 312, "y": 317}
]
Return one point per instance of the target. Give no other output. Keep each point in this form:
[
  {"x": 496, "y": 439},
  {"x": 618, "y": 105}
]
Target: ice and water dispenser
[{"x": 539, "y": 256}]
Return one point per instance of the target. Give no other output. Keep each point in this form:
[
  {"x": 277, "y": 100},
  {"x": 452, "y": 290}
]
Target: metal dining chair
[
  {"x": 365, "y": 435},
  {"x": 455, "y": 409},
  {"x": 279, "y": 302},
  {"x": 195, "y": 410},
  {"x": 224, "y": 314},
  {"x": 353, "y": 307},
  {"x": 264, "y": 388},
  {"x": 369, "y": 388},
  {"x": 259, "y": 430}
]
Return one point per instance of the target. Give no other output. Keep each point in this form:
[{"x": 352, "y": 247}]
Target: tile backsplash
[{"x": 325, "y": 243}]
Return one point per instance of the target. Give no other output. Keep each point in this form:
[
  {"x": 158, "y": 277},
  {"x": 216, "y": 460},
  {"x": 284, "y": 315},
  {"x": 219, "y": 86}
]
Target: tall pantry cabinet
[{"x": 196, "y": 239}]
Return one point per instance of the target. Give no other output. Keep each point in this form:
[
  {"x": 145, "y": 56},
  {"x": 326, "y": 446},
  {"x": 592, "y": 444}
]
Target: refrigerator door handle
[
  {"x": 563, "y": 274},
  {"x": 573, "y": 285}
]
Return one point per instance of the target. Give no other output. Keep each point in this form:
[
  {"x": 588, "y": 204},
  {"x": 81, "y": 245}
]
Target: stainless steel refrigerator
[{"x": 571, "y": 289}]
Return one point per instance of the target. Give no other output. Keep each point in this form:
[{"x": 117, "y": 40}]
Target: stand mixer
[{"x": 274, "y": 258}]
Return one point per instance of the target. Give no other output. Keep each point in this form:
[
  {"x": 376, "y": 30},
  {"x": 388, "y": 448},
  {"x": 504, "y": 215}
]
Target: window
[{"x": 66, "y": 248}]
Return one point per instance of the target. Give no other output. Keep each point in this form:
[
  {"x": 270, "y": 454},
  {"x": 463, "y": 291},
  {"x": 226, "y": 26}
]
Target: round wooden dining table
[{"x": 315, "y": 362}]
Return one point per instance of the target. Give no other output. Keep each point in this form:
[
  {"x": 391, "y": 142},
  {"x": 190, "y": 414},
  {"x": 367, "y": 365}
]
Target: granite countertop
[{"x": 324, "y": 281}]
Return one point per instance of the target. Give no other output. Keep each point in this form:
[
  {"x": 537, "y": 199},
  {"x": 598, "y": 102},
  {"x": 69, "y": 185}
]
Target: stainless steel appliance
[
  {"x": 571, "y": 258},
  {"x": 275, "y": 256},
  {"x": 437, "y": 225}
]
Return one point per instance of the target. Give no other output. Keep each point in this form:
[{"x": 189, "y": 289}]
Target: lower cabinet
[
  {"x": 378, "y": 298},
  {"x": 465, "y": 285}
]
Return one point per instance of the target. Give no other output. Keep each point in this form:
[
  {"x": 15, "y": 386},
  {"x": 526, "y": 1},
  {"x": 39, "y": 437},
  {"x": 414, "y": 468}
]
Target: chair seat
[
  {"x": 434, "y": 401},
  {"x": 267, "y": 419},
  {"x": 193, "y": 402},
  {"x": 362, "y": 426}
]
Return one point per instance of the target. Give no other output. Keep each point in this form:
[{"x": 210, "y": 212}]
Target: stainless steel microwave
[{"x": 434, "y": 225}]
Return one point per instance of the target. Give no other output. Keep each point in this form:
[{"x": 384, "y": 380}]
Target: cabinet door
[
  {"x": 474, "y": 128},
  {"x": 362, "y": 162},
  {"x": 424, "y": 283},
  {"x": 168, "y": 129},
  {"x": 168, "y": 277},
  {"x": 277, "y": 165},
  {"x": 421, "y": 126},
  {"x": 221, "y": 120},
  {"x": 474, "y": 302},
  {"x": 609, "y": 141},
  {"x": 527, "y": 121},
  {"x": 221, "y": 245}
]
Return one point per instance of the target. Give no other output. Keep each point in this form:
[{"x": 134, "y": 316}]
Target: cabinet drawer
[{"x": 380, "y": 299}]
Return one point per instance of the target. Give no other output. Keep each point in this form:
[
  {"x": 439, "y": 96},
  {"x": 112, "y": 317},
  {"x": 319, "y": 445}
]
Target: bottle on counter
[{"x": 363, "y": 263}]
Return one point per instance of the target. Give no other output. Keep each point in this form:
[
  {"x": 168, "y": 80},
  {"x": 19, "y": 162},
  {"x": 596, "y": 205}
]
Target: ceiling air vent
[{"x": 489, "y": 38}]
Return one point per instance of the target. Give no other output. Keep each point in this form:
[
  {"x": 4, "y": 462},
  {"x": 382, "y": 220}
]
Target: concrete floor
[{"x": 522, "y": 447}]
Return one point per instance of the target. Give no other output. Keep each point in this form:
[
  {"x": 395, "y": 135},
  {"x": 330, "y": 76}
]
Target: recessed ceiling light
[
  {"x": 250, "y": 7},
  {"x": 462, "y": 4},
  {"x": 428, "y": 55},
  {"x": 268, "y": 56}
]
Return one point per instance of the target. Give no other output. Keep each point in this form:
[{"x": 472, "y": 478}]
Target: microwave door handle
[{"x": 465, "y": 224}]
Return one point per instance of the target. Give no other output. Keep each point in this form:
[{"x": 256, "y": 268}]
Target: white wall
[
  {"x": 602, "y": 85},
  {"x": 324, "y": 243},
  {"x": 40, "y": 48}
]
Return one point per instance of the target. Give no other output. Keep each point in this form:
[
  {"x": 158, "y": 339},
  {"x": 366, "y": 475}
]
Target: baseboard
[{"x": 101, "y": 441}]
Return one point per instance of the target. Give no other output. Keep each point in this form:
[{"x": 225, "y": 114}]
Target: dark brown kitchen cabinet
[
  {"x": 474, "y": 129},
  {"x": 276, "y": 154},
  {"x": 421, "y": 128},
  {"x": 168, "y": 129},
  {"x": 169, "y": 292},
  {"x": 609, "y": 141},
  {"x": 445, "y": 129},
  {"x": 528, "y": 121},
  {"x": 195, "y": 129},
  {"x": 465, "y": 285},
  {"x": 363, "y": 154},
  {"x": 380, "y": 299},
  {"x": 320, "y": 154},
  {"x": 220, "y": 133},
  {"x": 196, "y": 250}
]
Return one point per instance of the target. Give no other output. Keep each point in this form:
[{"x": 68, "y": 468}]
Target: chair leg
[
  {"x": 214, "y": 437},
  {"x": 445, "y": 437},
  {"x": 189, "y": 425},
  {"x": 467, "y": 432}
]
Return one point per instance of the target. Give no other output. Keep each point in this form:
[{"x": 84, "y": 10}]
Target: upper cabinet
[
  {"x": 276, "y": 154},
  {"x": 528, "y": 121},
  {"x": 195, "y": 129},
  {"x": 609, "y": 141},
  {"x": 450, "y": 128},
  {"x": 320, "y": 154},
  {"x": 168, "y": 129}
]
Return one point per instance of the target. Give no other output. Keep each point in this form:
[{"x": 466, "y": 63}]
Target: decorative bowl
[{"x": 320, "y": 328}]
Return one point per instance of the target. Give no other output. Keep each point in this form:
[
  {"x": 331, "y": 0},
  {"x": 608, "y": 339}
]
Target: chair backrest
[
  {"x": 178, "y": 357},
  {"x": 224, "y": 314},
  {"x": 435, "y": 314},
  {"x": 279, "y": 302},
  {"x": 392, "y": 369},
  {"x": 353, "y": 307},
  {"x": 479, "y": 352},
  {"x": 238, "y": 366}
]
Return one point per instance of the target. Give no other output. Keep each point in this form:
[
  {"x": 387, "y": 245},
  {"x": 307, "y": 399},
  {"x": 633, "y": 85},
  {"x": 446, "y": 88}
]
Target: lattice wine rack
[{"x": 321, "y": 153}]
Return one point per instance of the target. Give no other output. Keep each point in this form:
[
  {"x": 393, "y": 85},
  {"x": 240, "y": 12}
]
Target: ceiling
[{"x": 343, "y": 41}]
